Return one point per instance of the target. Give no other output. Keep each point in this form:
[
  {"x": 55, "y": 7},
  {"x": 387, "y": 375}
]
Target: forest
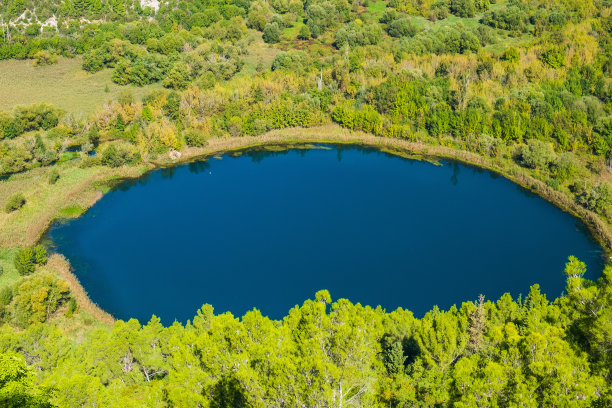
[{"x": 523, "y": 85}]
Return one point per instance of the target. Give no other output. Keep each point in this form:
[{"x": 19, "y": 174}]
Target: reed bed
[{"x": 61, "y": 265}]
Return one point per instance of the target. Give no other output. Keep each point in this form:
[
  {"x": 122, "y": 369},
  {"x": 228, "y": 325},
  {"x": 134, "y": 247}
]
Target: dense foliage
[{"x": 526, "y": 352}]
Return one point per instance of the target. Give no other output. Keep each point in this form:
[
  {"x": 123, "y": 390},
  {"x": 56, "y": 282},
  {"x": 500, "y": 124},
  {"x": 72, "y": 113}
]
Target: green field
[{"x": 64, "y": 85}]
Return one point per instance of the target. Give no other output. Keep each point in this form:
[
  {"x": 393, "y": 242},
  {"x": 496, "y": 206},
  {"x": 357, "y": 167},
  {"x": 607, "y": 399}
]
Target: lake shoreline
[{"x": 334, "y": 135}]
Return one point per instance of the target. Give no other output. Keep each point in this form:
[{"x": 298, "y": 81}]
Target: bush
[
  {"x": 402, "y": 27},
  {"x": 24, "y": 261},
  {"x": 114, "y": 156},
  {"x": 72, "y": 305},
  {"x": 596, "y": 197},
  {"x": 304, "y": 33},
  {"x": 6, "y": 295},
  {"x": 271, "y": 33},
  {"x": 27, "y": 258},
  {"x": 40, "y": 254},
  {"x": 54, "y": 176},
  {"x": 15, "y": 202},
  {"x": 195, "y": 138},
  {"x": 536, "y": 155},
  {"x": 44, "y": 58},
  {"x": 511, "y": 55},
  {"x": 93, "y": 61}
]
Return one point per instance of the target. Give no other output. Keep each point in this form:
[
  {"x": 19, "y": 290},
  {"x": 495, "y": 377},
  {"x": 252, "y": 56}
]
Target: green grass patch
[
  {"x": 64, "y": 85},
  {"x": 9, "y": 275},
  {"x": 291, "y": 33},
  {"x": 72, "y": 211},
  {"x": 377, "y": 8}
]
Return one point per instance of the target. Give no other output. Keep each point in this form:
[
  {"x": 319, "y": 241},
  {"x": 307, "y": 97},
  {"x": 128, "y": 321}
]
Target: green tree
[
  {"x": 17, "y": 389},
  {"x": 25, "y": 261},
  {"x": 304, "y": 33},
  {"x": 271, "y": 33},
  {"x": 40, "y": 254}
]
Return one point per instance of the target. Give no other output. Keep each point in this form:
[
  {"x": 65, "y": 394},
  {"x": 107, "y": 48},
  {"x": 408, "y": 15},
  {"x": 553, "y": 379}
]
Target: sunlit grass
[{"x": 64, "y": 85}]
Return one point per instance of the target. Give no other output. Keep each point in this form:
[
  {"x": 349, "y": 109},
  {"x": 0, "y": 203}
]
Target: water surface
[{"x": 267, "y": 230}]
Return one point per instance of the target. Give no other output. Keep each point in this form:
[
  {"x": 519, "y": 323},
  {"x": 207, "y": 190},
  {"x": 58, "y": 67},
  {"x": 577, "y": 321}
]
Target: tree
[
  {"x": 574, "y": 268},
  {"x": 25, "y": 261},
  {"x": 38, "y": 296},
  {"x": 477, "y": 327},
  {"x": 462, "y": 8},
  {"x": 595, "y": 197},
  {"x": 393, "y": 354},
  {"x": 554, "y": 57},
  {"x": 271, "y": 33},
  {"x": 304, "y": 33},
  {"x": 402, "y": 27},
  {"x": 17, "y": 389},
  {"x": 40, "y": 254},
  {"x": 536, "y": 154},
  {"x": 178, "y": 77}
]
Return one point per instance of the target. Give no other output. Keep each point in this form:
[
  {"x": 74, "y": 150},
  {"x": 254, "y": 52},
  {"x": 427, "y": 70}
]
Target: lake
[{"x": 267, "y": 230}]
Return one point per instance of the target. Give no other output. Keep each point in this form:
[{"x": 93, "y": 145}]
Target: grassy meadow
[{"x": 64, "y": 85}]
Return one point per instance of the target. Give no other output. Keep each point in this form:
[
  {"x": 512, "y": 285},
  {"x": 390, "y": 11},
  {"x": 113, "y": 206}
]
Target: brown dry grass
[
  {"x": 61, "y": 265},
  {"x": 75, "y": 190}
]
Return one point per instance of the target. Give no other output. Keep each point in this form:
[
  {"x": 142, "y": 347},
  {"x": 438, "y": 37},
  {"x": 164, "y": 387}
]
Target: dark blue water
[{"x": 267, "y": 231}]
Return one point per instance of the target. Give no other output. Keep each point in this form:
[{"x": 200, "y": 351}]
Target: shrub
[
  {"x": 93, "y": 61},
  {"x": 72, "y": 305},
  {"x": 596, "y": 197},
  {"x": 54, "y": 176},
  {"x": 536, "y": 155},
  {"x": 511, "y": 55},
  {"x": 6, "y": 295},
  {"x": 24, "y": 261},
  {"x": 15, "y": 202},
  {"x": 402, "y": 27},
  {"x": 44, "y": 58},
  {"x": 304, "y": 33},
  {"x": 40, "y": 254},
  {"x": 554, "y": 58},
  {"x": 271, "y": 33},
  {"x": 114, "y": 156},
  {"x": 195, "y": 138}
]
